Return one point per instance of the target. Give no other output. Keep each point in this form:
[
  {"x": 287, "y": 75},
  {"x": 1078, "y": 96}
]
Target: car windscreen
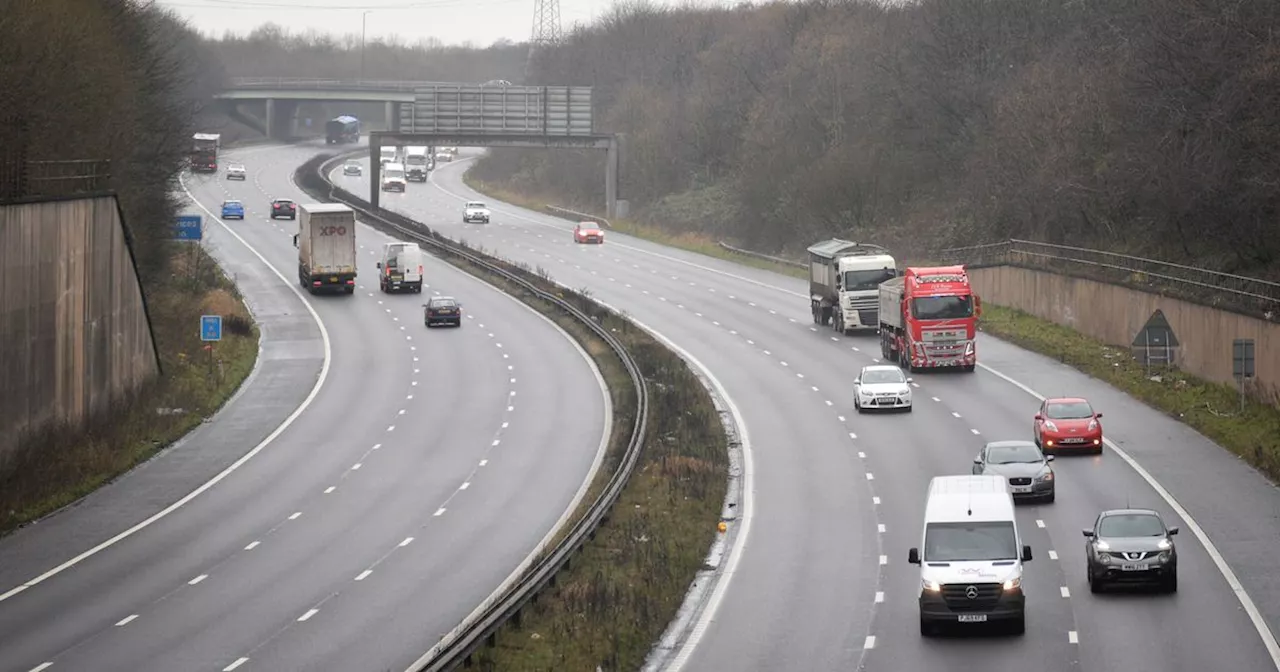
[
  {"x": 1073, "y": 410},
  {"x": 942, "y": 307},
  {"x": 443, "y": 303},
  {"x": 1131, "y": 525},
  {"x": 857, "y": 281},
  {"x": 475, "y": 205},
  {"x": 958, "y": 542},
  {"x": 1024, "y": 453},
  {"x": 877, "y": 376}
]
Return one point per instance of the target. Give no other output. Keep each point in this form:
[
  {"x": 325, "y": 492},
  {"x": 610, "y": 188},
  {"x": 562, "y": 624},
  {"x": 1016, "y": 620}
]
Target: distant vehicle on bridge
[
  {"x": 341, "y": 130},
  {"x": 204, "y": 152}
]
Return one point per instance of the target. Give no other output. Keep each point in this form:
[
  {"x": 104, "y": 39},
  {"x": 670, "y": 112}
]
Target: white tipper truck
[
  {"x": 844, "y": 283},
  {"x": 326, "y": 242},
  {"x": 415, "y": 163}
]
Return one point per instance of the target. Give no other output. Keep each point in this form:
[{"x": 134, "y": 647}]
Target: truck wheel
[{"x": 349, "y": 289}]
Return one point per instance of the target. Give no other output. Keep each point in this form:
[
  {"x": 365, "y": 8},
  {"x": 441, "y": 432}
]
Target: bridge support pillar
[
  {"x": 375, "y": 171},
  {"x": 271, "y": 119},
  {"x": 611, "y": 161},
  {"x": 393, "y": 115}
]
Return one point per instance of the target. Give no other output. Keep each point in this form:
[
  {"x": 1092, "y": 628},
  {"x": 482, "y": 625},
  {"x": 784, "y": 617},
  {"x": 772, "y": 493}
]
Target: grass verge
[
  {"x": 618, "y": 595},
  {"x": 1212, "y": 409},
  {"x": 684, "y": 240},
  {"x": 59, "y": 466}
]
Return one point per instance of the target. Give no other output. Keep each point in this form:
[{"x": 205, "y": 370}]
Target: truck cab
[
  {"x": 970, "y": 555},
  {"x": 929, "y": 319},
  {"x": 844, "y": 281}
]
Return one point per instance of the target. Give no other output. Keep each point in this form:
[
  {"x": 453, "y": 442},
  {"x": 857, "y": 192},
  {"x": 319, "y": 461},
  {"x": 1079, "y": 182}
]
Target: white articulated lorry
[
  {"x": 844, "y": 283},
  {"x": 326, "y": 242}
]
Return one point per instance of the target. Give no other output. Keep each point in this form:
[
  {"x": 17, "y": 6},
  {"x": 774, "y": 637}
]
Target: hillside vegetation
[
  {"x": 106, "y": 80},
  {"x": 271, "y": 50},
  {"x": 1149, "y": 126}
]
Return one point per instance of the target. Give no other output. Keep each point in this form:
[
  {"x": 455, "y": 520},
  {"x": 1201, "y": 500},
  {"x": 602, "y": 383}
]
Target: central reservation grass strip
[
  {"x": 1212, "y": 409},
  {"x": 62, "y": 465}
]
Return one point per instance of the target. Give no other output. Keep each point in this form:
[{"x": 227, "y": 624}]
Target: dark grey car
[
  {"x": 1022, "y": 464},
  {"x": 1131, "y": 546}
]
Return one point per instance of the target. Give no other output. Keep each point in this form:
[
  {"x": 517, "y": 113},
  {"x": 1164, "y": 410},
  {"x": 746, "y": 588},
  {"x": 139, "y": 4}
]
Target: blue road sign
[
  {"x": 188, "y": 227},
  {"x": 211, "y": 327}
]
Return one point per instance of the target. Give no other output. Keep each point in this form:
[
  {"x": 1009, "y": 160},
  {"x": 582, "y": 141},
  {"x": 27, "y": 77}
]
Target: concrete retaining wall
[
  {"x": 74, "y": 331},
  {"x": 1115, "y": 314}
]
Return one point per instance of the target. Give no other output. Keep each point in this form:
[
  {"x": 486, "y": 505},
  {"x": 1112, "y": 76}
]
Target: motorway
[
  {"x": 423, "y": 472},
  {"x": 822, "y": 581}
]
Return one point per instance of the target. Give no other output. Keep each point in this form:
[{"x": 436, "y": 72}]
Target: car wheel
[
  {"x": 1171, "y": 583},
  {"x": 1095, "y": 584},
  {"x": 857, "y": 406},
  {"x": 1018, "y": 626},
  {"x": 926, "y": 628},
  {"x": 909, "y": 408},
  {"x": 1098, "y": 450},
  {"x": 1050, "y": 498}
]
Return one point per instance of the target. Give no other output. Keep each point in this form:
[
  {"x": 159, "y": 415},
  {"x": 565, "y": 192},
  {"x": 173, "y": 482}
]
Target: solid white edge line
[
  {"x": 315, "y": 391},
  {"x": 733, "y": 555},
  {"x": 1259, "y": 623},
  {"x": 596, "y": 463}
]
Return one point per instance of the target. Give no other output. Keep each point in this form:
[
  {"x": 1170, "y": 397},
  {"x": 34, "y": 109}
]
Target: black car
[
  {"x": 442, "y": 310},
  {"x": 1131, "y": 546},
  {"x": 1022, "y": 464},
  {"x": 283, "y": 207}
]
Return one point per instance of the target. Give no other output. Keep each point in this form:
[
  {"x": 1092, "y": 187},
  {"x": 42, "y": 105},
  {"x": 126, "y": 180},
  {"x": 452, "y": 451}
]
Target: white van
[
  {"x": 393, "y": 178},
  {"x": 971, "y": 567},
  {"x": 400, "y": 268},
  {"x": 386, "y": 154}
]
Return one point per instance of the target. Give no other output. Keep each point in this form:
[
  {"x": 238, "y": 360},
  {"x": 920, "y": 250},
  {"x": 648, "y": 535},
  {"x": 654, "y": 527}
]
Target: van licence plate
[
  {"x": 972, "y": 618},
  {"x": 1133, "y": 567}
]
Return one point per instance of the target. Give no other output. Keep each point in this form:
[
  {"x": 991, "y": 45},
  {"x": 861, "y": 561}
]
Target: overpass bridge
[
  {"x": 281, "y": 97},
  {"x": 437, "y": 113}
]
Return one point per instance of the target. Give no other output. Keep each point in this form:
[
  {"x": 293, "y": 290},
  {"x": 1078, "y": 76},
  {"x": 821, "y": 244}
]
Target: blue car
[{"x": 232, "y": 210}]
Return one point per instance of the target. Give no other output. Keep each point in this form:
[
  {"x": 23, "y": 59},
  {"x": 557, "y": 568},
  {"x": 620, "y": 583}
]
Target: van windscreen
[{"x": 960, "y": 542}]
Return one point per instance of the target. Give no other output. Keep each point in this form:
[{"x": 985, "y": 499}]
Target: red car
[
  {"x": 588, "y": 232},
  {"x": 1068, "y": 424},
  {"x": 283, "y": 207}
]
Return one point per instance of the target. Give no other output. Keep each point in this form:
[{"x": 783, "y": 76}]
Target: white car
[
  {"x": 881, "y": 387},
  {"x": 475, "y": 211},
  {"x": 235, "y": 171}
]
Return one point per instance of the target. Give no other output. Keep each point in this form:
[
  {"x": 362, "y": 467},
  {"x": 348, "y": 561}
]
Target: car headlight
[
  {"x": 1101, "y": 545},
  {"x": 1093, "y": 424},
  {"x": 1048, "y": 424},
  {"x": 1013, "y": 584},
  {"x": 930, "y": 586},
  {"x": 1164, "y": 544},
  {"x": 1164, "y": 556},
  {"x": 1045, "y": 477}
]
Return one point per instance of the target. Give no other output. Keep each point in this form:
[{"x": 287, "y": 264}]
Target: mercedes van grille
[{"x": 957, "y": 597}]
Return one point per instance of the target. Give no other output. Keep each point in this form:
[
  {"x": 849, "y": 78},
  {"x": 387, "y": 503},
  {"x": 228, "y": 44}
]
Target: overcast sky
[{"x": 452, "y": 21}]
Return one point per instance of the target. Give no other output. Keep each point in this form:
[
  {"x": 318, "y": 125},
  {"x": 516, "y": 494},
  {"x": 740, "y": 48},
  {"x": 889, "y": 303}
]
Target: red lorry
[{"x": 929, "y": 319}]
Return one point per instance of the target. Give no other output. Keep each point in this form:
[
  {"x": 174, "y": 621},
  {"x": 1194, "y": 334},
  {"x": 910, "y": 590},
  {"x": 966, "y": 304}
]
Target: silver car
[
  {"x": 235, "y": 171},
  {"x": 1026, "y": 468},
  {"x": 352, "y": 168}
]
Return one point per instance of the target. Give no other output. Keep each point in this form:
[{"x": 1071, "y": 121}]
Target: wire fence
[
  {"x": 1238, "y": 293},
  {"x": 29, "y": 179}
]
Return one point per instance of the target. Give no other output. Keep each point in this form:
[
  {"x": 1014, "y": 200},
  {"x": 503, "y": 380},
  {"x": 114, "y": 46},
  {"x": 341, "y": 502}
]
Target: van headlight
[
  {"x": 930, "y": 586},
  {"x": 1013, "y": 584}
]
